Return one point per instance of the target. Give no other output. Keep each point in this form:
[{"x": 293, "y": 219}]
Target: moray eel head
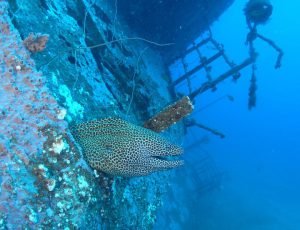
[{"x": 120, "y": 148}]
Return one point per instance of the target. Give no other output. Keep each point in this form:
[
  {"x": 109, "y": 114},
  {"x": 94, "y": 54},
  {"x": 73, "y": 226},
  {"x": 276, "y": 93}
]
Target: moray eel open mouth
[{"x": 120, "y": 148}]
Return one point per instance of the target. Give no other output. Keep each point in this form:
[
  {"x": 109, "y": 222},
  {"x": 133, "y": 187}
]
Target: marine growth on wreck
[{"x": 92, "y": 118}]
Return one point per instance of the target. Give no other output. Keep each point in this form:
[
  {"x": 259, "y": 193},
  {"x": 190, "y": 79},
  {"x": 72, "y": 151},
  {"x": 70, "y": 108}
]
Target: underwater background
[
  {"x": 260, "y": 154},
  {"x": 64, "y": 64}
]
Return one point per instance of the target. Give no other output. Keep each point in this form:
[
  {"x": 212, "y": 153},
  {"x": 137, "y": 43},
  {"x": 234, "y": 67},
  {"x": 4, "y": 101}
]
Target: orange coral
[{"x": 36, "y": 42}]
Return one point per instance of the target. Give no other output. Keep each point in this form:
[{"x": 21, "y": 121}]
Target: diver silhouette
[{"x": 258, "y": 12}]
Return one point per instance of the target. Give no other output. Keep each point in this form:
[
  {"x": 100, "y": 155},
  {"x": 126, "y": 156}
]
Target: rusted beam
[
  {"x": 213, "y": 131},
  {"x": 210, "y": 85},
  {"x": 197, "y": 68},
  {"x": 189, "y": 50}
]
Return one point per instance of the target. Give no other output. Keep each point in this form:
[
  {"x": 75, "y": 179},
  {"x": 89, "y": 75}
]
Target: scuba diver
[{"x": 258, "y": 12}]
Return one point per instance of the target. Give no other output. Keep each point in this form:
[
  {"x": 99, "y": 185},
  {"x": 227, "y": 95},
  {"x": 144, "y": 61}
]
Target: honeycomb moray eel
[{"x": 120, "y": 148}]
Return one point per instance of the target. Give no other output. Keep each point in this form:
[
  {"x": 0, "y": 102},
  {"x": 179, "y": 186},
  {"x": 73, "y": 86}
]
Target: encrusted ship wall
[
  {"x": 89, "y": 69},
  {"x": 44, "y": 180}
]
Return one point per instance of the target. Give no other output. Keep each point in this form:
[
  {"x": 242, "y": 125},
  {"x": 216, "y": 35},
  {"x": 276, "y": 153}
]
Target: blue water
[{"x": 261, "y": 151}]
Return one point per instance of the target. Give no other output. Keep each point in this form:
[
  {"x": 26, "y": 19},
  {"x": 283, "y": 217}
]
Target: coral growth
[
  {"x": 26, "y": 106},
  {"x": 36, "y": 42}
]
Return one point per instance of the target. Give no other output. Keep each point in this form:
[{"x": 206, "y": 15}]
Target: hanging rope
[{"x": 252, "y": 89}]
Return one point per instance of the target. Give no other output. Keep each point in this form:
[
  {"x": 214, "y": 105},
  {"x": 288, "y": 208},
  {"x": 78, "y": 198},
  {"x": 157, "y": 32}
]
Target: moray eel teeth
[{"x": 120, "y": 148}]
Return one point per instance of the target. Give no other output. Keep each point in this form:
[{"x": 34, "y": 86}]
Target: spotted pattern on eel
[{"x": 120, "y": 148}]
